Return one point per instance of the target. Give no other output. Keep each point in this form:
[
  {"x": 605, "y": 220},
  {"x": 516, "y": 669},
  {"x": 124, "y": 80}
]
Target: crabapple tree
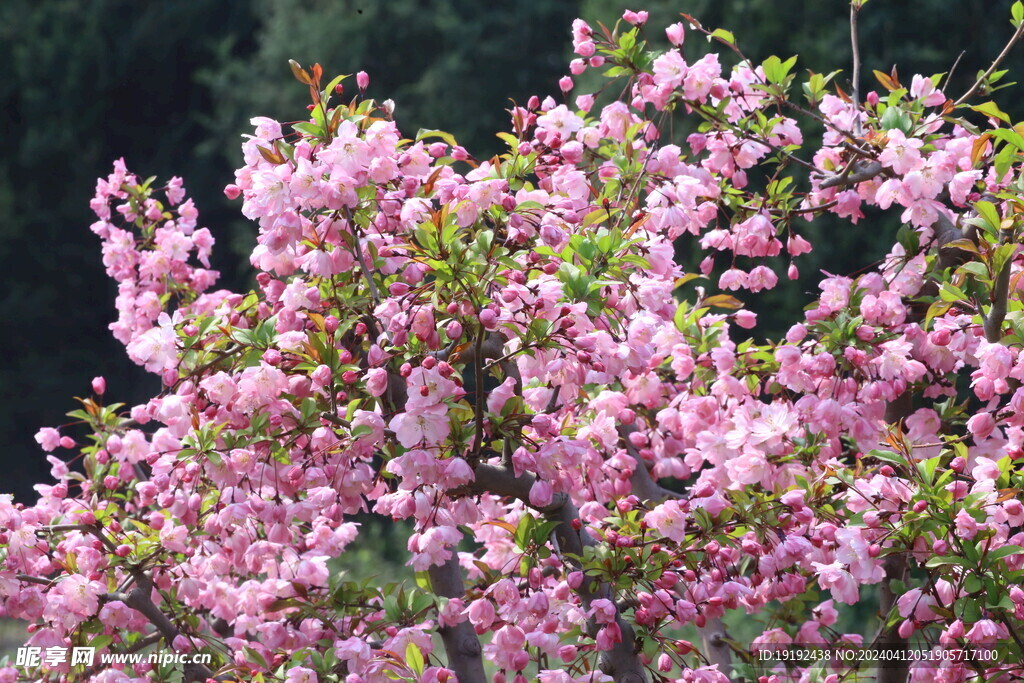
[{"x": 599, "y": 468}]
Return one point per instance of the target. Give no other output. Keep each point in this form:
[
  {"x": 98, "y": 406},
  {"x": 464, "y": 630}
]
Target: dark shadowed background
[{"x": 170, "y": 86}]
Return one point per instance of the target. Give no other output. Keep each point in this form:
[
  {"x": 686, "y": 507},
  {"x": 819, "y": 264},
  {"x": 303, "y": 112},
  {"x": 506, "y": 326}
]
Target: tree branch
[
  {"x": 995, "y": 65},
  {"x": 461, "y": 643},
  {"x": 640, "y": 480},
  {"x": 714, "y": 639},
  {"x": 895, "y": 671},
  {"x": 622, "y": 662},
  {"x": 855, "y": 6},
  {"x": 857, "y": 172},
  {"x": 139, "y": 600},
  {"x": 1000, "y": 292}
]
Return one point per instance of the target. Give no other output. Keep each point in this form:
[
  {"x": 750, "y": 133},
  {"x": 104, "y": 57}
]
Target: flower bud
[{"x": 488, "y": 318}]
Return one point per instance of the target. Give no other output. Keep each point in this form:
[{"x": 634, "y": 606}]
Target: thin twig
[
  {"x": 949, "y": 75},
  {"x": 854, "y": 42},
  {"x": 1002, "y": 55}
]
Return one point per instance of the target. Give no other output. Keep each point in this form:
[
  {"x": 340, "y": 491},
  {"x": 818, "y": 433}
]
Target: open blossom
[
  {"x": 834, "y": 578},
  {"x": 901, "y": 154},
  {"x": 427, "y": 425}
]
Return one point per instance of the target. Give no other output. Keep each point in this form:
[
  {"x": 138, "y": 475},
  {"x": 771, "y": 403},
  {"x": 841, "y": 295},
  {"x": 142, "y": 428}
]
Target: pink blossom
[{"x": 427, "y": 425}]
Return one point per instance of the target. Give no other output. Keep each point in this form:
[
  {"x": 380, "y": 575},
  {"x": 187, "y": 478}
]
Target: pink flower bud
[
  {"x": 362, "y": 80},
  {"x": 488, "y": 318},
  {"x": 123, "y": 550},
  {"x": 676, "y": 34},
  {"x": 99, "y": 386},
  {"x": 565, "y": 83},
  {"x": 746, "y": 319},
  {"x": 376, "y": 381},
  {"x": 272, "y": 357},
  {"x": 232, "y": 191},
  {"x": 322, "y": 375},
  {"x": 67, "y": 442},
  {"x": 453, "y": 329}
]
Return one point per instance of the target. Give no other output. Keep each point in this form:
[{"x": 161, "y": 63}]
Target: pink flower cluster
[{"x": 493, "y": 350}]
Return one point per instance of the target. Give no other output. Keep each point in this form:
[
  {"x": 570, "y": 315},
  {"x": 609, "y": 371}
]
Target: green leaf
[
  {"x": 1017, "y": 13},
  {"x": 940, "y": 560},
  {"x": 1010, "y": 136},
  {"x": 894, "y": 117},
  {"x": 1006, "y": 550},
  {"x": 989, "y": 213},
  {"x": 991, "y": 110},
  {"x": 335, "y": 81},
  {"x": 431, "y": 133},
  {"x": 414, "y": 659},
  {"x": 721, "y": 34},
  {"x": 775, "y": 70}
]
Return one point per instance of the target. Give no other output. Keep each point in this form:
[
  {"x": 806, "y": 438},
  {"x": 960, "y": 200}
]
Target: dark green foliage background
[{"x": 170, "y": 86}]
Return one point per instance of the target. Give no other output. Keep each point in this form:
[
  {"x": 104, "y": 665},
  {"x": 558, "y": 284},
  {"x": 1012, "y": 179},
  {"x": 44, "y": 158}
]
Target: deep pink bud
[
  {"x": 123, "y": 550},
  {"x": 454, "y": 329},
  {"x": 99, "y": 385},
  {"x": 362, "y": 80},
  {"x": 488, "y": 318}
]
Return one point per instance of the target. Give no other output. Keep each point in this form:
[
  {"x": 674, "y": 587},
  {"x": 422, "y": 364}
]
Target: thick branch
[
  {"x": 857, "y": 172},
  {"x": 622, "y": 662},
  {"x": 641, "y": 482},
  {"x": 139, "y": 600},
  {"x": 888, "y": 638},
  {"x": 716, "y": 648},
  {"x": 1000, "y": 293},
  {"x": 460, "y": 641}
]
